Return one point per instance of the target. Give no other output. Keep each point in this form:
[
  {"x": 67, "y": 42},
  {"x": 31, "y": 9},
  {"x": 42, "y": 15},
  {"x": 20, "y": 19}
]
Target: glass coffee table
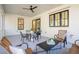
[{"x": 45, "y": 46}]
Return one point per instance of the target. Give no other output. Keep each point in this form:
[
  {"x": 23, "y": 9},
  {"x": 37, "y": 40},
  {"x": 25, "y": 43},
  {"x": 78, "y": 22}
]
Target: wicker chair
[
  {"x": 61, "y": 36},
  {"x": 6, "y": 43}
]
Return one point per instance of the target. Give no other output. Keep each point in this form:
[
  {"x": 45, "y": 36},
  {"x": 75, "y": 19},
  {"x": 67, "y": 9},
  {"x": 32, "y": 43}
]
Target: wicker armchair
[
  {"x": 61, "y": 36},
  {"x": 6, "y": 43}
]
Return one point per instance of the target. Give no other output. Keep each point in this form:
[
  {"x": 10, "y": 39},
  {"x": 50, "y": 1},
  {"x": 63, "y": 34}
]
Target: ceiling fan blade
[
  {"x": 34, "y": 7},
  {"x": 25, "y": 8},
  {"x": 31, "y": 6},
  {"x": 32, "y": 10}
]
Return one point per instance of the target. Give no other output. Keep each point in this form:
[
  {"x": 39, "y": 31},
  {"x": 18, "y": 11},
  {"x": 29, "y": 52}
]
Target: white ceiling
[{"x": 18, "y": 8}]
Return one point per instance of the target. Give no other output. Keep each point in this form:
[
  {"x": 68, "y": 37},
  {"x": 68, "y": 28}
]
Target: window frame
[
  {"x": 20, "y": 23},
  {"x": 60, "y": 13}
]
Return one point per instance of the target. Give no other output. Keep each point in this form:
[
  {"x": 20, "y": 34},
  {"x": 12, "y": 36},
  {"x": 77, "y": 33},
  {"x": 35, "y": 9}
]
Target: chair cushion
[{"x": 16, "y": 50}]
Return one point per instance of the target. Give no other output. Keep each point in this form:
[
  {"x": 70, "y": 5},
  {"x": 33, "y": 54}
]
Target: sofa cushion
[{"x": 16, "y": 50}]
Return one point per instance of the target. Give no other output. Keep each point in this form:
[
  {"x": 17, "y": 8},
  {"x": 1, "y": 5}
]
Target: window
[
  {"x": 36, "y": 24},
  {"x": 64, "y": 18},
  {"x": 57, "y": 19},
  {"x": 51, "y": 20},
  {"x": 20, "y": 23},
  {"x": 60, "y": 19}
]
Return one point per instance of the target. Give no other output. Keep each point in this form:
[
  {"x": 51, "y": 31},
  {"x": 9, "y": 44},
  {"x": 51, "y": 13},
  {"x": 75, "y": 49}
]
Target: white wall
[
  {"x": 11, "y": 21},
  {"x": 73, "y": 20},
  {"x": 1, "y": 21},
  {"x": 11, "y": 24},
  {"x": 0, "y": 26}
]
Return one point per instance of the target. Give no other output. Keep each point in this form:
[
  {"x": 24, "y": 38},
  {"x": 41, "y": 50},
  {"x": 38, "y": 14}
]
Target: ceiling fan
[{"x": 31, "y": 8}]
